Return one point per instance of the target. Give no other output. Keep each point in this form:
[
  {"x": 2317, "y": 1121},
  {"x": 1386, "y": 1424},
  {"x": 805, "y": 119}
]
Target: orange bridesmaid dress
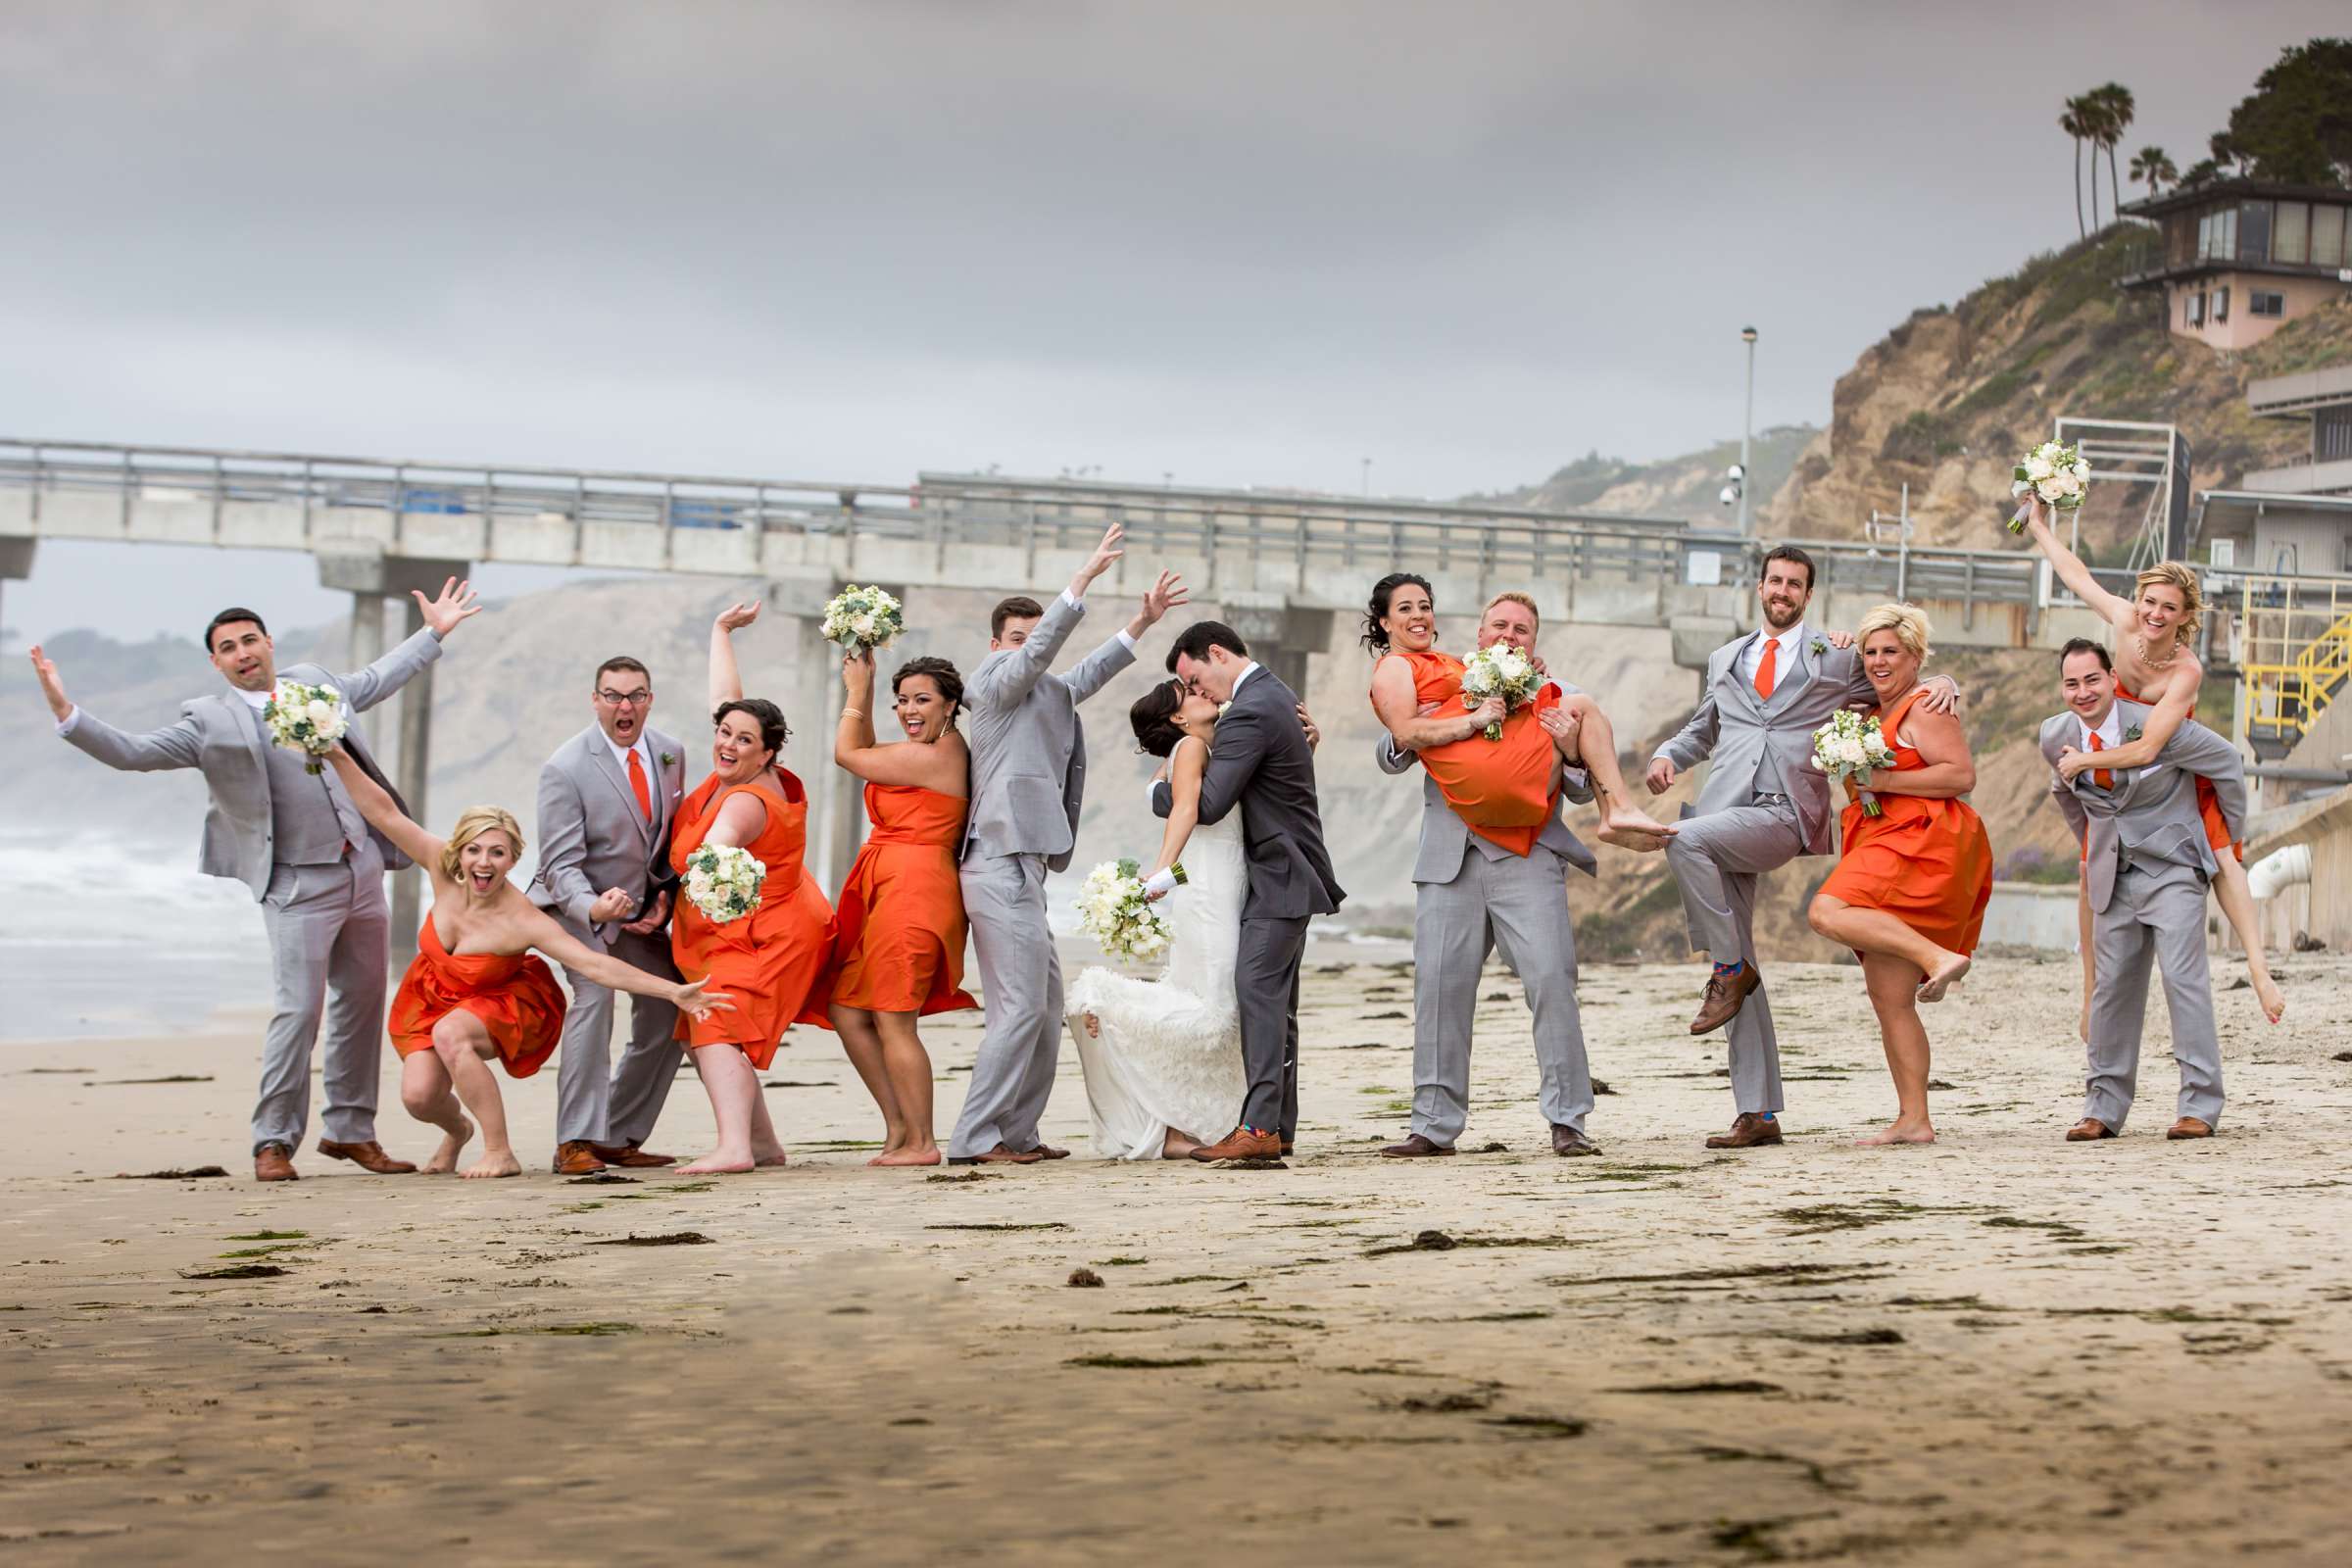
[
  {"x": 1926, "y": 861},
  {"x": 772, "y": 961},
  {"x": 899, "y": 932},
  {"x": 513, "y": 994},
  {"x": 2209, "y": 804},
  {"x": 1500, "y": 789}
]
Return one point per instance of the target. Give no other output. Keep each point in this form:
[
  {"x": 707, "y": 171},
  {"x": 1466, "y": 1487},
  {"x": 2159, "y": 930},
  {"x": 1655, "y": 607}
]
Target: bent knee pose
[
  {"x": 475, "y": 993},
  {"x": 2155, "y": 668},
  {"x": 1910, "y": 888}
]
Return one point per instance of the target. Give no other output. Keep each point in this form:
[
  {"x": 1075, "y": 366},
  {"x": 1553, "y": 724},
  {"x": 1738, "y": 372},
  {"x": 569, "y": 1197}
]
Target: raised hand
[
  {"x": 736, "y": 617},
  {"x": 1660, "y": 777},
  {"x": 696, "y": 1002},
  {"x": 610, "y": 905},
  {"x": 858, "y": 672},
  {"x": 1105, "y": 556},
  {"x": 44, "y": 669},
  {"x": 1165, "y": 595},
  {"x": 455, "y": 603},
  {"x": 646, "y": 924}
]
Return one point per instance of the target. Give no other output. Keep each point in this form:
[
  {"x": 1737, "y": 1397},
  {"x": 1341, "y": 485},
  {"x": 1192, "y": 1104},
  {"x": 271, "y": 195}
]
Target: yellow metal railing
[{"x": 2294, "y": 651}]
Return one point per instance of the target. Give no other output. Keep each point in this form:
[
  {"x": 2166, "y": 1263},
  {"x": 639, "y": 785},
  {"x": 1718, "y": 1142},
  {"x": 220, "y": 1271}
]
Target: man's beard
[{"x": 1793, "y": 613}]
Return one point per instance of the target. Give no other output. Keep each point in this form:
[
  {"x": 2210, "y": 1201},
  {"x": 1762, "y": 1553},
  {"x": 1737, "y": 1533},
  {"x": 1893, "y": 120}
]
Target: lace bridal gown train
[{"x": 1167, "y": 1056}]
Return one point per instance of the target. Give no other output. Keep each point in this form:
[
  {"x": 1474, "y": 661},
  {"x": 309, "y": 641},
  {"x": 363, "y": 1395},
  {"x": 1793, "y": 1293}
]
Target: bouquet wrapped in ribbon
[
  {"x": 1499, "y": 672},
  {"x": 863, "y": 619},
  {"x": 2052, "y": 471},
  {"x": 309, "y": 719},
  {"x": 723, "y": 881},
  {"x": 1112, "y": 909},
  {"x": 1849, "y": 747}
]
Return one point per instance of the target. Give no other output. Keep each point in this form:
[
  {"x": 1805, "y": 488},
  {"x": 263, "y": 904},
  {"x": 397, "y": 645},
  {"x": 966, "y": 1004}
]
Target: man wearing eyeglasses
[{"x": 607, "y": 799}]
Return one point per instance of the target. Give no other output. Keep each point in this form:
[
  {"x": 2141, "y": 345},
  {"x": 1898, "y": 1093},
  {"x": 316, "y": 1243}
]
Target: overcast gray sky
[{"x": 1244, "y": 243}]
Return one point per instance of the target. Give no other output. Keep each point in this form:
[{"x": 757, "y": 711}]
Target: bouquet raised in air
[
  {"x": 861, "y": 618},
  {"x": 723, "y": 881},
  {"x": 2053, "y": 472},
  {"x": 1112, "y": 909},
  {"x": 1849, "y": 746},
  {"x": 1499, "y": 672},
  {"x": 306, "y": 718}
]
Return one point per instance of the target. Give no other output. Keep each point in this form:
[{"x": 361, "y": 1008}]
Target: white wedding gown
[{"x": 1169, "y": 1056}]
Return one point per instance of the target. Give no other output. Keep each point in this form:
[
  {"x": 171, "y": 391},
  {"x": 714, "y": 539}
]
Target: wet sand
[{"x": 2003, "y": 1347}]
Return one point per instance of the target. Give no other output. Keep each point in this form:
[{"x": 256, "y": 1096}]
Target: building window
[
  {"x": 2192, "y": 309},
  {"x": 2332, "y": 437},
  {"x": 2263, "y": 302},
  {"x": 2290, "y": 235},
  {"x": 2253, "y": 231},
  {"x": 2328, "y": 236},
  {"x": 2221, "y": 305}
]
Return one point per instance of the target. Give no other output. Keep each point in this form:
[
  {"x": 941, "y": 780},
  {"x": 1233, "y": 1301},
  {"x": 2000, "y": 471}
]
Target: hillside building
[{"x": 2237, "y": 259}]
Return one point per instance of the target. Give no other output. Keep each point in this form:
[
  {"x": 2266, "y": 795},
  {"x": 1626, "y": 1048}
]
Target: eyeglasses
[{"x": 624, "y": 699}]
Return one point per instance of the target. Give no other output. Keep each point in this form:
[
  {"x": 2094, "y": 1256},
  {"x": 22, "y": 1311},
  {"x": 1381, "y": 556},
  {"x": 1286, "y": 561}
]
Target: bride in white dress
[{"x": 1164, "y": 1057}]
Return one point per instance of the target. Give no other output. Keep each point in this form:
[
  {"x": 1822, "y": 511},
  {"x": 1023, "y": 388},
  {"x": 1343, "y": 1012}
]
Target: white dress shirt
[
  {"x": 1782, "y": 663},
  {"x": 2109, "y": 730}
]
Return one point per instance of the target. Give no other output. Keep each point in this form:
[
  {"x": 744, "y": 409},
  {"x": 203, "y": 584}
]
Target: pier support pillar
[{"x": 16, "y": 562}]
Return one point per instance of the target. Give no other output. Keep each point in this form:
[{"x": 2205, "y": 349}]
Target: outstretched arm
[
  {"x": 727, "y": 682},
  {"x": 942, "y": 766},
  {"x": 2176, "y": 708},
  {"x": 363, "y": 688},
  {"x": 383, "y": 814},
  {"x": 174, "y": 746},
  {"x": 606, "y": 971},
  {"x": 1185, "y": 768},
  {"x": 2070, "y": 568},
  {"x": 1690, "y": 746}
]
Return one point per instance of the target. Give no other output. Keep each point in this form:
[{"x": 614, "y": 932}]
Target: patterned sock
[{"x": 1734, "y": 967}]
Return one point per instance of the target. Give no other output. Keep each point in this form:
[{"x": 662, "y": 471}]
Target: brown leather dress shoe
[
  {"x": 368, "y": 1156},
  {"x": 1749, "y": 1130},
  {"x": 2089, "y": 1130},
  {"x": 2189, "y": 1127},
  {"x": 998, "y": 1155},
  {"x": 1570, "y": 1141},
  {"x": 1049, "y": 1152},
  {"x": 577, "y": 1157},
  {"x": 274, "y": 1163},
  {"x": 1243, "y": 1144},
  {"x": 1415, "y": 1147},
  {"x": 630, "y": 1156},
  {"x": 1286, "y": 1146},
  {"x": 1725, "y": 994}
]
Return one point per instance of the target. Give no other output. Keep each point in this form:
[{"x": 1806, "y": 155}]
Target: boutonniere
[
  {"x": 2131, "y": 733},
  {"x": 669, "y": 759},
  {"x": 1820, "y": 646}
]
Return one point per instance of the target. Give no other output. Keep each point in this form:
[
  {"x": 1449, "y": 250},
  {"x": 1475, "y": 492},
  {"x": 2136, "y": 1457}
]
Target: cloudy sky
[{"x": 1241, "y": 243}]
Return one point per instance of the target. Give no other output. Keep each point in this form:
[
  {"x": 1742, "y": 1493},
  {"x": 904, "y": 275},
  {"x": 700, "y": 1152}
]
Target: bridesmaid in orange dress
[
  {"x": 1910, "y": 887},
  {"x": 771, "y": 961},
  {"x": 474, "y": 992},
  {"x": 899, "y": 934}
]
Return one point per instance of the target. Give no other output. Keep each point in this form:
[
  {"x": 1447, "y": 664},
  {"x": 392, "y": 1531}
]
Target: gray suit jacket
[
  {"x": 591, "y": 834},
  {"x": 1028, "y": 746},
  {"x": 1742, "y": 733},
  {"x": 1446, "y": 838},
  {"x": 2151, "y": 814},
  {"x": 217, "y": 735},
  {"x": 1261, "y": 762}
]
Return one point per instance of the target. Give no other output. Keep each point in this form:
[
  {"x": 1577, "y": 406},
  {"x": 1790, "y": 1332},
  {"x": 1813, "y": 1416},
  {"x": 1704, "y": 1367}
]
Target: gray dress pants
[
  {"x": 1717, "y": 859},
  {"x": 619, "y": 1110},
  {"x": 329, "y": 932},
  {"x": 2157, "y": 912},
  {"x": 1021, "y": 985}
]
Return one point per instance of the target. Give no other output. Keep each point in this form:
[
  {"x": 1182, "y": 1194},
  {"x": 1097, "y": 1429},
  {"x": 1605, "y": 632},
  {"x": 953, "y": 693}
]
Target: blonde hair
[
  {"x": 472, "y": 823},
  {"x": 1513, "y": 596},
  {"x": 2173, "y": 575},
  {"x": 1909, "y": 623}
]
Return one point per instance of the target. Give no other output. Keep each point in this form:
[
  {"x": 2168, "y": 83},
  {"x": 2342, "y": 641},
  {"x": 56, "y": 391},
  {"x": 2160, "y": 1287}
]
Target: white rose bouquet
[
  {"x": 306, "y": 718},
  {"x": 1499, "y": 672},
  {"x": 723, "y": 881},
  {"x": 863, "y": 619},
  {"x": 1112, "y": 909},
  {"x": 2053, "y": 472},
  {"x": 1849, "y": 746}
]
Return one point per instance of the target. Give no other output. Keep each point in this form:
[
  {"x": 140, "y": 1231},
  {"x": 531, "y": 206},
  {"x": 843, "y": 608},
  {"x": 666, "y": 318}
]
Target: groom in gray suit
[
  {"x": 607, "y": 800},
  {"x": 296, "y": 840},
  {"x": 2147, "y": 866},
  {"x": 1763, "y": 806},
  {"x": 1028, "y": 782}
]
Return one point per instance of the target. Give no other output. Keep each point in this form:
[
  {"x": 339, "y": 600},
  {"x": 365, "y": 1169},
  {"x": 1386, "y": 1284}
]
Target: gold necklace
[{"x": 2150, "y": 660}]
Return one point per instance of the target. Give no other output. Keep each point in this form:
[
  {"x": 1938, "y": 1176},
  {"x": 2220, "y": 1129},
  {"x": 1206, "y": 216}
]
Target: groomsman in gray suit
[
  {"x": 607, "y": 800},
  {"x": 1028, "y": 782},
  {"x": 296, "y": 840},
  {"x": 2147, "y": 864},
  {"x": 1764, "y": 804}
]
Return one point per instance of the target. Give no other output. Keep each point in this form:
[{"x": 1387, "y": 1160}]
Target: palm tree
[
  {"x": 2152, "y": 167},
  {"x": 2073, "y": 120},
  {"x": 2115, "y": 108}
]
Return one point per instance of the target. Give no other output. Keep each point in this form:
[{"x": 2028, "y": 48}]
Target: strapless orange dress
[
  {"x": 2209, "y": 804},
  {"x": 1926, "y": 861},
  {"x": 1501, "y": 790},
  {"x": 772, "y": 961},
  {"x": 514, "y": 993},
  {"x": 899, "y": 930}
]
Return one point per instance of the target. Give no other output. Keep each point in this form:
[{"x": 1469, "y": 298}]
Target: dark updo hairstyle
[
  {"x": 1154, "y": 716},
  {"x": 1376, "y": 636},
  {"x": 773, "y": 731},
  {"x": 943, "y": 675}
]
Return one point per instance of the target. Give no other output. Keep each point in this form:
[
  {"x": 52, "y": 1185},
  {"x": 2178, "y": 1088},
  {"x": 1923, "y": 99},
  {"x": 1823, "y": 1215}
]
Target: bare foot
[
  {"x": 2267, "y": 991},
  {"x": 892, "y": 1144},
  {"x": 1903, "y": 1132},
  {"x": 1177, "y": 1147},
  {"x": 1946, "y": 974},
  {"x": 445, "y": 1158},
  {"x": 500, "y": 1162},
  {"x": 717, "y": 1164},
  {"x": 773, "y": 1153},
  {"x": 1639, "y": 840},
  {"x": 925, "y": 1153},
  {"x": 1628, "y": 818}
]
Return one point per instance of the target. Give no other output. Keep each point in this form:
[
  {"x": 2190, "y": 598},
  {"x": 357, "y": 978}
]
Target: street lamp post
[{"x": 1747, "y": 425}]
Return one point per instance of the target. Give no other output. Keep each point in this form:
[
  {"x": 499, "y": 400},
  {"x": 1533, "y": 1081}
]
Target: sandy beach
[{"x": 2004, "y": 1348}]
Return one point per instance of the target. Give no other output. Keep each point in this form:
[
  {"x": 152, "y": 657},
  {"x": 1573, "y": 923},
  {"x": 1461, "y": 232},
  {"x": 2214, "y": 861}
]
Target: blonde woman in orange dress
[
  {"x": 1909, "y": 891},
  {"x": 772, "y": 959},
  {"x": 899, "y": 931},
  {"x": 475, "y": 993}
]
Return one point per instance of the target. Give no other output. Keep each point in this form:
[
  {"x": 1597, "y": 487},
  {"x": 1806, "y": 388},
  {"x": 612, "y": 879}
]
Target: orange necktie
[
  {"x": 1766, "y": 666},
  {"x": 645, "y": 797},
  {"x": 2103, "y": 777}
]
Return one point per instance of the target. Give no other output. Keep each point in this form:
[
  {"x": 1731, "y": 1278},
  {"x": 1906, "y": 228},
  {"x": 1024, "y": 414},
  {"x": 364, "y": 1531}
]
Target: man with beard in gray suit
[
  {"x": 2148, "y": 865},
  {"x": 1764, "y": 804},
  {"x": 292, "y": 835},
  {"x": 607, "y": 800},
  {"x": 1028, "y": 782}
]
